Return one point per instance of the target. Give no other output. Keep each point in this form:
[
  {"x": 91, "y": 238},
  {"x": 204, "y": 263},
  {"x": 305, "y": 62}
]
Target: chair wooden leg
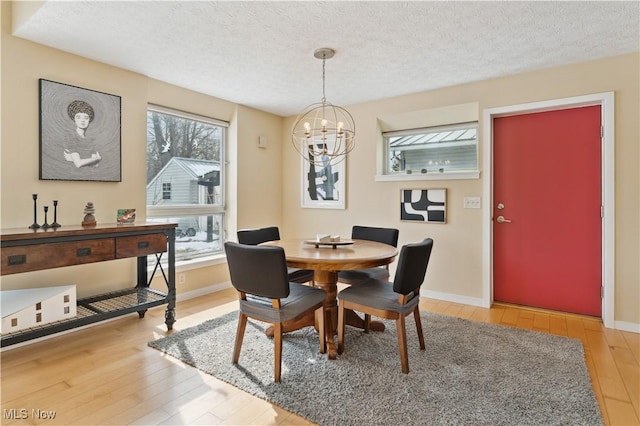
[
  {"x": 367, "y": 323},
  {"x": 402, "y": 343},
  {"x": 277, "y": 341},
  {"x": 242, "y": 324},
  {"x": 416, "y": 316},
  {"x": 341, "y": 318},
  {"x": 321, "y": 319}
]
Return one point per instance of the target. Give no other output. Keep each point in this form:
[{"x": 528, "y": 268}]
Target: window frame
[
  {"x": 388, "y": 175},
  {"x": 197, "y": 210}
]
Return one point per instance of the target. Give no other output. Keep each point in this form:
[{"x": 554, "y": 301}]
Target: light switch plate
[{"x": 472, "y": 202}]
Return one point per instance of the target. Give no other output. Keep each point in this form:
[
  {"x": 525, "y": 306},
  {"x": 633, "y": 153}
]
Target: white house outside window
[{"x": 185, "y": 179}]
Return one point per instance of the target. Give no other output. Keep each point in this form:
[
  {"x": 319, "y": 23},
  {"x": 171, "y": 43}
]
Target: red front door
[{"x": 547, "y": 235}]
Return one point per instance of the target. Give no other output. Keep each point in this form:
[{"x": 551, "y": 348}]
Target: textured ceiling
[{"x": 260, "y": 54}]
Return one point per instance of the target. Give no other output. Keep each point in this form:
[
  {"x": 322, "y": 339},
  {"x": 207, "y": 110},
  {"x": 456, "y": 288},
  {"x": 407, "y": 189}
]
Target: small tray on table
[{"x": 332, "y": 244}]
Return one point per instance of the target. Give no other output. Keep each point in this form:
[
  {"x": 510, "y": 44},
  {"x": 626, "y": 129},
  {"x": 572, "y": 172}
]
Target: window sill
[{"x": 428, "y": 176}]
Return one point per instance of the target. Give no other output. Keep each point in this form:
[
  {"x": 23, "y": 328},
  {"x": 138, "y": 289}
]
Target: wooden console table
[{"x": 25, "y": 250}]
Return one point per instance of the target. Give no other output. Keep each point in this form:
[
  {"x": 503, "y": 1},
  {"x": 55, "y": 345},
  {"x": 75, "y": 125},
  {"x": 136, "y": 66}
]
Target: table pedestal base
[{"x": 328, "y": 281}]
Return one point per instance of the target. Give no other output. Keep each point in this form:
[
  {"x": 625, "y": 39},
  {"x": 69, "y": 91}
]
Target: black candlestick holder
[
  {"x": 35, "y": 212},
  {"x": 55, "y": 223},
  {"x": 45, "y": 225}
]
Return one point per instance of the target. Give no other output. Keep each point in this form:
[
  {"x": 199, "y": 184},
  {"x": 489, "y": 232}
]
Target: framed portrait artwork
[
  {"x": 79, "y": 134},
  {"x": 323, "y": 183},
  {"x": 423, "y": 205}
]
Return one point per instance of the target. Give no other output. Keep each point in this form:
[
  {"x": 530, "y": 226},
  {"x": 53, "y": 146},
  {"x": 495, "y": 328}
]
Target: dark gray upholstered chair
[
  {"x": 381, "y": 235},
  {"x": 380, "y": 298},
  {"x": 259, "y": 274},
  {"x": 256, "y": 236}
]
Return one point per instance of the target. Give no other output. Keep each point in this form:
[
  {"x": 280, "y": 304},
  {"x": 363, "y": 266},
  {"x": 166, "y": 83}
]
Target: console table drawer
[
  {"x": 54, "y": 255},
  {"x": 140, "y": 245}
]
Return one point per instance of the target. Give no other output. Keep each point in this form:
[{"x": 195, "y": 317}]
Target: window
[
  {"x": 432, "y": 150},
  {"x": 166, "y": 191},
  {"x": 185, "y": 179}
]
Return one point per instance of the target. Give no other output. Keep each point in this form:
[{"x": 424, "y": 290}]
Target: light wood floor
[{"x": 107, "y": 375}]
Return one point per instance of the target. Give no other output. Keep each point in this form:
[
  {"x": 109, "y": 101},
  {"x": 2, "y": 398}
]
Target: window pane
[
  {"x": 183, "y": 161},
  {"x": 433, "y": 150},
  {"x": 196, "y": 236}
]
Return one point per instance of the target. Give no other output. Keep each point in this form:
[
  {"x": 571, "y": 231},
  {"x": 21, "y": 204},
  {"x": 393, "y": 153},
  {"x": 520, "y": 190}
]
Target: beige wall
[
  {"x": 262, "y": 191},
  {"x": 455, "y": 271}
]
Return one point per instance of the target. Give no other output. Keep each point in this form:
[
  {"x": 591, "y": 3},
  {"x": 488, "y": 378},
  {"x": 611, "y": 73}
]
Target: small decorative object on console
[
  {"x": 45, "y": 225},
  {"x": 126, "y": 216},
  {"x": 89, "y": 218},
  {"x": 35, "y": 212},
  {"x": 55, "y": 223}
]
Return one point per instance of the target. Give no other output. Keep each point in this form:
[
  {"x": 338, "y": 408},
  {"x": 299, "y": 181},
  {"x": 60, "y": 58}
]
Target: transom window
[
  {"x": 185, "y": 179},
  {"x": 432, "y": 150}
]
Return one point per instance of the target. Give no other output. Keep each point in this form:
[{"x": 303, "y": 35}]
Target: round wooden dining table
[{"x": 326, "y": 260}]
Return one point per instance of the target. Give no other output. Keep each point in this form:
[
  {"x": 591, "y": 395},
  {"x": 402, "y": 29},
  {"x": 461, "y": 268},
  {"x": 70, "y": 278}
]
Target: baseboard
[
  {"x": 202, "y": 291},
  {"x": 627, "y": 326},
  {"x": 473, "y": 301},
  {"x": 450, "y": 297}
]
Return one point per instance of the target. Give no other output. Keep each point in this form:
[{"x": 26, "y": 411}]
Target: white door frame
[{"x": 606, "y": 102}]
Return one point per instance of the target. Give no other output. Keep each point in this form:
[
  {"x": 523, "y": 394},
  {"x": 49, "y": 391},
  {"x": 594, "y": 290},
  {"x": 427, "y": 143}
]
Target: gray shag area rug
[{"x": 471, "y": 373}]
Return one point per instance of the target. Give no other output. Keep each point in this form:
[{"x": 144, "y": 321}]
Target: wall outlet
[
  {"x": 182, "y": 278},
  {"x": 472, "y": 202}
]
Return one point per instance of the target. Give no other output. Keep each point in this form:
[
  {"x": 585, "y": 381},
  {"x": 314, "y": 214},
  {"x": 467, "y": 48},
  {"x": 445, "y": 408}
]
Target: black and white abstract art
[
  {"x": 423, "y": 205},
  {"x": 323, "y": 185}
]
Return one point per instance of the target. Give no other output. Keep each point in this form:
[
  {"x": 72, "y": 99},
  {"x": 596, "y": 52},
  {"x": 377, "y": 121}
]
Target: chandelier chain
[{"x": 324, "y": 96}]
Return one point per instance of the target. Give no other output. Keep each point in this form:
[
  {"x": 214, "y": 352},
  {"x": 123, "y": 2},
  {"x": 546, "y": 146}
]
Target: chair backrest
[
  {"x": 381, "y": 235},
  {"x": 256, "y": 236},
  {"x": 412, "y": 266},
  {"x": 258, "y": 270}
]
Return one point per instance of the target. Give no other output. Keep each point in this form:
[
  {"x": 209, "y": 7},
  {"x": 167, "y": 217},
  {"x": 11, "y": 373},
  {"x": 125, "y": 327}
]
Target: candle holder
[
  {"x": 55, "y": 223},
  {"x": 45, "y": 225},
  {"x": 35, "y": 212}
]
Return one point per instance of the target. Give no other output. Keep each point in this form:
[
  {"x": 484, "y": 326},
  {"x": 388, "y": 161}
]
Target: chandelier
[{"x": 323, "y": 133}]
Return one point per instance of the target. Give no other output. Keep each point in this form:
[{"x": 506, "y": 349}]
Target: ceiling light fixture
[{"x": 323, "y": 133}]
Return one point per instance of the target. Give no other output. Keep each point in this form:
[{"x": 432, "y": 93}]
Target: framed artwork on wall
[
  {"x": 79, "y": 134},
  {"x": 423, "y": 205},
  {"x": 323, "y": 185}
]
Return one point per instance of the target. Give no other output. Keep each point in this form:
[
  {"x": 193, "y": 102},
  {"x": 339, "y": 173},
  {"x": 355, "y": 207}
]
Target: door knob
[{"x": 501, "y": 219}]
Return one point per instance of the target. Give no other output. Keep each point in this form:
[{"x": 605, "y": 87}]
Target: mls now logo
[{"x": 23, "y": 413}]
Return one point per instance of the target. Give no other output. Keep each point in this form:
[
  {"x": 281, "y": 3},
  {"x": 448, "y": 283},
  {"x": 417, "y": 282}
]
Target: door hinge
[
  {"x": 601, "y": 132},
  {"x": 601, "y": 212},
  {"x": 601, "y": 292}
]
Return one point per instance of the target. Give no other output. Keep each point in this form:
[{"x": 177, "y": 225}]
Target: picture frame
[
  {"x": 126, "y": 216},
  {"x": 423, "y": 205},
  {"x": 80, "y": 134},
  {"x": 323, "y": 187}
]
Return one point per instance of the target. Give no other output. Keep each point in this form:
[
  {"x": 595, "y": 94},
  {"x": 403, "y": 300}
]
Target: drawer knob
[{"x": 143, "y": 244}]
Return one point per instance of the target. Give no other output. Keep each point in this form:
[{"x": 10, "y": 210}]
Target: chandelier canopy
[{"x": 323, "y": 133}]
